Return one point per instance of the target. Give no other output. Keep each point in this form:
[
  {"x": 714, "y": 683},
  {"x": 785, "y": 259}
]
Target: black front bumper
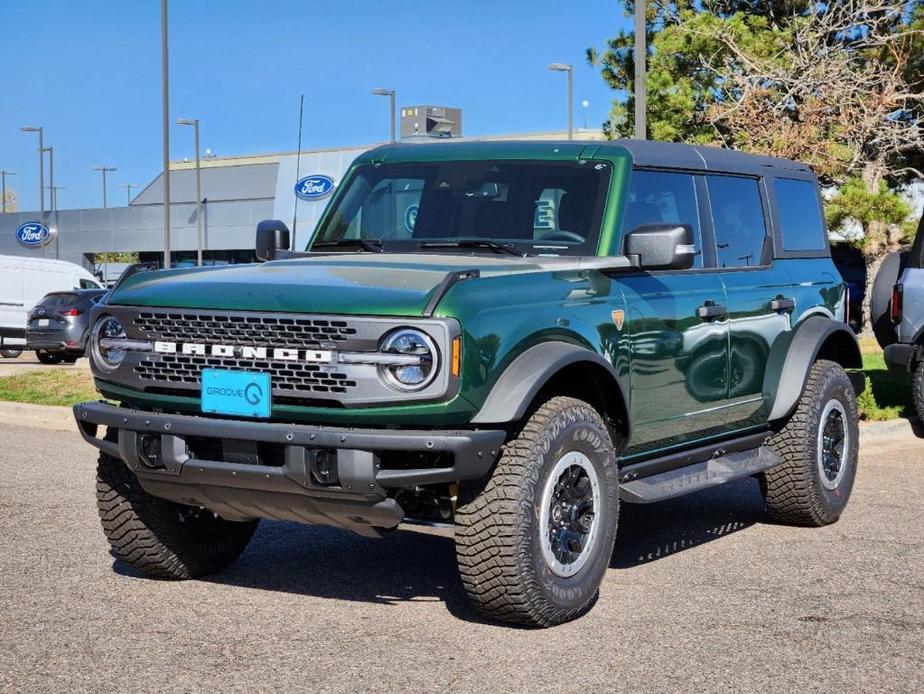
[{"x": 360, "y": 501}]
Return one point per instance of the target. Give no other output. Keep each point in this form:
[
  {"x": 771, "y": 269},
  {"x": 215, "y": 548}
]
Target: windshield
[{"x": 547, "y": 208}]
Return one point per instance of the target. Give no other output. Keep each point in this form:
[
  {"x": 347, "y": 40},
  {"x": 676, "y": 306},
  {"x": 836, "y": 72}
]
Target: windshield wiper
[
  {"x": 473, "y": 243},
  {"x": 371, "y": 245}
]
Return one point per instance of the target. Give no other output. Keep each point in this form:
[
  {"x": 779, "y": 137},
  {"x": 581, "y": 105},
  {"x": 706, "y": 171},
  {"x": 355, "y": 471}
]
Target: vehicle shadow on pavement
[
  {"x": 410, "y": 567},
  {"x": 653, "y": 531}
]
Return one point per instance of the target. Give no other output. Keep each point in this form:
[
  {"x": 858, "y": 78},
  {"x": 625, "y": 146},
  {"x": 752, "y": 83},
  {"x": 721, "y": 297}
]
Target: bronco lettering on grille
[{"x": 315, "y": 356}]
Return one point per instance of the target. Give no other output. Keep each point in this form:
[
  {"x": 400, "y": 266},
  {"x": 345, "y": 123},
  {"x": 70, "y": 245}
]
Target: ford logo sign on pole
[
  {"x": 34, "y": 235},
  {"x": 314, "y": 187}
]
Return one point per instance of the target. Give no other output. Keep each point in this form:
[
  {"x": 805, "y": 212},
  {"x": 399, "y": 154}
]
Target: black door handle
[
  {"x": 711, "y": 311},
  {"x": 782, "y": 303}
]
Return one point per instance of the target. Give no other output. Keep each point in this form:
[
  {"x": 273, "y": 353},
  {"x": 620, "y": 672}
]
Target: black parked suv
[{"x": 58, "y": 325}]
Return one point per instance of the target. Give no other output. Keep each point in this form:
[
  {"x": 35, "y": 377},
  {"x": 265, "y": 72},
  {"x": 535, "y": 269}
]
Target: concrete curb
[
  {"x": 40, "y": 416},
  {"x": 889, "y": 434}
]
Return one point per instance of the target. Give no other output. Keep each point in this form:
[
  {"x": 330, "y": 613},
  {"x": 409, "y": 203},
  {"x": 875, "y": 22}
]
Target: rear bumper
[
  {"x": 360, "y": 500},
  {"x": 54, "y": 341},
  {"x": 898, "y": 357}
]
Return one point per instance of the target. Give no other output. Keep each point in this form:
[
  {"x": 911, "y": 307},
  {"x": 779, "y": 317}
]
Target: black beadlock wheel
[
  {"x": 818, "y": 447},
  {"x": 533, "y": 541},
  {"x": 159, "y": 538}
]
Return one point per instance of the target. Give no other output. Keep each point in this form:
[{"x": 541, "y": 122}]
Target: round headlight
[
  {"x": 106, "y": 355},
  {"x": 418, "y": 369}
]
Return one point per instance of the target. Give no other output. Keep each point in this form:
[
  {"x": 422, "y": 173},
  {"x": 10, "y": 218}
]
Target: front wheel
[
  {"x": 533, "y": 542},
  {"x": 818, "y": 447},
  {"x": 159, "y": 538}
]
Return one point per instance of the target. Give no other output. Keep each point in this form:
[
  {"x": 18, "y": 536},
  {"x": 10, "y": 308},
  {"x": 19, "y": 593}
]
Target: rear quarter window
[{"x": 801, "y": 225}]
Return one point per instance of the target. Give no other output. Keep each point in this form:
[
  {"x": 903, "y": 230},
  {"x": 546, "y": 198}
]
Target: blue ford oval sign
[
  {"x": 33, "y": 234},
  {"x": 314, "y": 187}
]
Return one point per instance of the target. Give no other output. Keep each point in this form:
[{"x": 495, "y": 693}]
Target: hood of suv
[{"x": 359, "y": 284}]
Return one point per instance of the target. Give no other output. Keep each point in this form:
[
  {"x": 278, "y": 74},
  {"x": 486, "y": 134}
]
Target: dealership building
[{"x": 237, "y": 193}]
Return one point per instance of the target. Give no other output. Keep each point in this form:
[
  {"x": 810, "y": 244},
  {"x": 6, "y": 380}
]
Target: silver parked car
[{"x": 58, "y": 325}]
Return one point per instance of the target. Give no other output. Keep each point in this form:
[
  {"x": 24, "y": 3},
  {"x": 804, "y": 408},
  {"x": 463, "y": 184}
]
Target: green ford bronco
[{"x": 502, "y": 340}]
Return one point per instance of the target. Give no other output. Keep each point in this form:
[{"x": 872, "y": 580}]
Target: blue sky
[{"x": 89, "y": 72}]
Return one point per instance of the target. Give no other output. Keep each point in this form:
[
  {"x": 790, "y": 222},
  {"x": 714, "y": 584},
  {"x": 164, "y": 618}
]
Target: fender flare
[
  {"x": 802, "y": 351},
  {"x": 528, "y": 373}
]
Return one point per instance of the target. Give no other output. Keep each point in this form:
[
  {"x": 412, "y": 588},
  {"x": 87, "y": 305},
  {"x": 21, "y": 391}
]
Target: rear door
[
  {"x": 678, "y": 361},
  {"x": 758, "y": 291}
]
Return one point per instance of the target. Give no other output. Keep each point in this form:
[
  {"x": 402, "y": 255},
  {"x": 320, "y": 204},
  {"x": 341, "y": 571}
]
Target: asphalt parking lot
[{"x": 703, "y": 594}]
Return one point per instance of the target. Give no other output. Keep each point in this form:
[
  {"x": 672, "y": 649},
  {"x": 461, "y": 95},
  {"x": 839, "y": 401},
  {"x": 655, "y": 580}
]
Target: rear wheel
[
  {"x": 10, "y": 353},
  {"x": 533, "y": 542},
  {"x": 159, "y": 538},
  {"x": 917, "y": 390},
  {"x": 48, "y": 357},
  {"x": 818, "y": 447}
]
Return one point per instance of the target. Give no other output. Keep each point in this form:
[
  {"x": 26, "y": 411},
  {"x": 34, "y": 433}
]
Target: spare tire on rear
[{"x": 880, "y": 301}]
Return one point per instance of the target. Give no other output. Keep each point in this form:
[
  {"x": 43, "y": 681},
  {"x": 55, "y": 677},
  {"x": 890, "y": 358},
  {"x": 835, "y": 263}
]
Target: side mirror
[
  {"x": 661, "y": 246},
  {"x": 272, "y": 236}
]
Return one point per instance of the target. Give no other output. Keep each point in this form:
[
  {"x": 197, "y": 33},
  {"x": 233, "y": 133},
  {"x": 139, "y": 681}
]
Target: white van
[{"x": 23, "y": 283}]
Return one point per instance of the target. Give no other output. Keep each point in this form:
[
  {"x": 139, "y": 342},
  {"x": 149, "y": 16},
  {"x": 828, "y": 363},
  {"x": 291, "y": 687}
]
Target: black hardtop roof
[{"x": 645, "y": 153}]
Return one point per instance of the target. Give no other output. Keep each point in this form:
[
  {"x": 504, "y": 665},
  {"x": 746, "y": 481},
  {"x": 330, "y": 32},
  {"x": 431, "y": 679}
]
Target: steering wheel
[{"x": 562, "y": 235}]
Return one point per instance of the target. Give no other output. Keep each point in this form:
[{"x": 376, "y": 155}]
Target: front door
[{"x": 677, "y": 333}]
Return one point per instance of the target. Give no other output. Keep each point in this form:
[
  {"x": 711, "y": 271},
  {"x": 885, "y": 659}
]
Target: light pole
[
  {"x": 195, "y": 123},
  {"x": 641, "y": 57},
  {"x": 51, "y": 175},
  {"x": 563, "y": 67},
  {"x": 41, "y": 150},
  {"x": 165, "y": 88},
  {"x": 390, "y": 93},
  {"x": 128, "y": 187},
  {"x": 104, "y": 170},
  {"x": 3, "y": 175},
  {"x": 53, "y": 190}
]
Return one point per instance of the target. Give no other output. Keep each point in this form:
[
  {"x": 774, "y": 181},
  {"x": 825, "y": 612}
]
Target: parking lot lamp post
[
  {"x": 128, "y": 188},
  {"x": 3, "y": 175},
  {"x": 390, "y": 93},
  {"x": 41, "y": 150},
  {"x": 641, "y": 58},
  {"x": 195, "y": 123},
  {"x": 104, "y": 170},
  {"x": 563, "y": 67}
]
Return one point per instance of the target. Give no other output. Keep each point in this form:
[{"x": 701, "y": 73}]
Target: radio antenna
[{"x": 298, "y": 166}]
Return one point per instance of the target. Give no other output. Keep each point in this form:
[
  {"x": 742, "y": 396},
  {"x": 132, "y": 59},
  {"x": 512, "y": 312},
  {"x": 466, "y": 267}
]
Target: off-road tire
[
  {"x": 48, "y": 357},
  {"x": 793, "y": 490},
  {"x": 917, "y": 390},
  {"x": 10, "y": 353},
  {"x": 150, "y": 535},
  {"x": 498, "y": 544}
]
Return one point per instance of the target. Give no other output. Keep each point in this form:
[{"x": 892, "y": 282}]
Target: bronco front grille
[
  {"x": 256, "y": 330},
  {"x": 291, "y": 377},
  {"x": 275, "y": 343}
]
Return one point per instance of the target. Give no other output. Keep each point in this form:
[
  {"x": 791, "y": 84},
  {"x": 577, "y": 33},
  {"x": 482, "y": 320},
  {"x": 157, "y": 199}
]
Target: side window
[
  {"x": 88, "y": 284},
  {"x": 801, "y": 224},
  {"x": 738, "y": 216},
  {"x": 656, "y": 197}
]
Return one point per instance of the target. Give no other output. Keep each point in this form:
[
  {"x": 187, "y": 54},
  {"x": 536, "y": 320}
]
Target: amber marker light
[{"x": 456, "y": 361}]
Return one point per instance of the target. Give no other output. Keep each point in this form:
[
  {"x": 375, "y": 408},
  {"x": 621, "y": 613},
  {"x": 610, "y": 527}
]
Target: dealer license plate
[{"x": 245, "y": 393}]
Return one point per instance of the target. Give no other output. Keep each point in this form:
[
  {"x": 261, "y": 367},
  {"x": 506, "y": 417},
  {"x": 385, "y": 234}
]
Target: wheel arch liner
[
  {"x": 791, "y": 367},
  {"x": 528, "y": 373}
]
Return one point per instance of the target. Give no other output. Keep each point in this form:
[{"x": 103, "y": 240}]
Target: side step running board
[{"x": 697, "y": 476}]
